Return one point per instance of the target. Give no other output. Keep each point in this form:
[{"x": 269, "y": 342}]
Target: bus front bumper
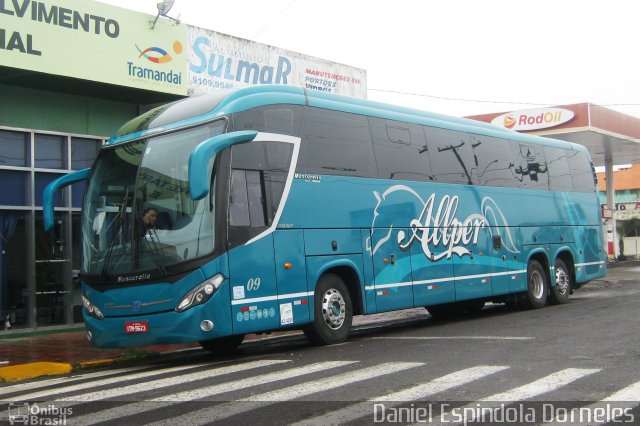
[{"x": 196, "y": 324}]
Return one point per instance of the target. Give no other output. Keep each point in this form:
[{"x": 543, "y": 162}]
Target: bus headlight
[
  {"x": 201, "y": 293},
  {"x": 91, "y": 309}
]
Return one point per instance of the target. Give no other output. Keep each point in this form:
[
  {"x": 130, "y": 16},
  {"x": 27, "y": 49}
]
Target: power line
[
  {"x": 486, "y": 101},
  {"x": 273, "y": 19},
  {"x": 457, "y": 99}
]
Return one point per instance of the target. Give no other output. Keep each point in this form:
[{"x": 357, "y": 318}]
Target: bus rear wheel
[
  {"x": 537, "y": 284},
  {"x": 222, "y": 345},
  {"x": 332, "y": 312},
  {"x": 559, "y": 294}
]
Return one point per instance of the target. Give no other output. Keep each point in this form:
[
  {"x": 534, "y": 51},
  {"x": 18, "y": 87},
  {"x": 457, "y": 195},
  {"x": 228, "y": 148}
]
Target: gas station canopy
[{"x": 610, "y": 136}]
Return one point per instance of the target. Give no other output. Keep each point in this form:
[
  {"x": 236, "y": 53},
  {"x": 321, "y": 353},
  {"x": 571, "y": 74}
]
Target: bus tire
[
  {"x": 537, "y": 286},
  {"x": 222, "y": 345},
  {"x": 559, "y": 293},
  {"x": 332, "y": 312}
]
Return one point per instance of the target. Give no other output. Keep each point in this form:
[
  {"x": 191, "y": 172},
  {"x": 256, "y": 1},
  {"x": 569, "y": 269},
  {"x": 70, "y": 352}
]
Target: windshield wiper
[
  {"x": 152, "y": 241},
  {"x": 119, "y": 235}
]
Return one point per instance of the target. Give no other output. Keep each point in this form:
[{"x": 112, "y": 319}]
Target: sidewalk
[{"x": 61, "y": 352}]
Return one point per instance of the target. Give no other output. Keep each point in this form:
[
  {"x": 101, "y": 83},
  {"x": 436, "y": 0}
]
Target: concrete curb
[{"x": 18, "y": 372}]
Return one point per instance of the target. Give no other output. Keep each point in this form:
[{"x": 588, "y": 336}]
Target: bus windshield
[{"x": 138, "y": 214}]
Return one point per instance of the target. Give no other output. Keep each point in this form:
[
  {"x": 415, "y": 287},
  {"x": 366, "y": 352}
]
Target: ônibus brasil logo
[{"x": 158, "y": 55}]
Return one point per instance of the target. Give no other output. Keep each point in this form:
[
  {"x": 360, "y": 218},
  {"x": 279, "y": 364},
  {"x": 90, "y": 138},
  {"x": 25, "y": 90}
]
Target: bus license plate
[{"x": 136, "y": 327}]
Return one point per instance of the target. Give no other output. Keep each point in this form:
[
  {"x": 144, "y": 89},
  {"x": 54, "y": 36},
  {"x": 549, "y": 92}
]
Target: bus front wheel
[
  {"x": 537, "y": 286},
  {"x": 332, "y": 312},
  {"x": 559, "y": 294},
  {"x": 223, "y": 345}
]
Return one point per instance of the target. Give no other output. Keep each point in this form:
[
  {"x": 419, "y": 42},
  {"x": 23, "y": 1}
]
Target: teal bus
[{"x": 277, "y": 208}]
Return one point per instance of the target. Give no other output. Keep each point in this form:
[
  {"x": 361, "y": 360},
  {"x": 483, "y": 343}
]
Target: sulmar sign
[
  {"x": 219, "y": 61},
  {"x": 533, "y": 119}
]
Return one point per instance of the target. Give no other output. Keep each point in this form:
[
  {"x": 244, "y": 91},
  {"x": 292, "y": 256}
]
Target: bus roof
[{"x": 196, "y": 109}]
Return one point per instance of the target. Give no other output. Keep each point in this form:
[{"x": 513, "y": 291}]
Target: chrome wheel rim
[
  {"x": 333, "y": 309},
  {"x": 562, "y": 281},
  {"x": 537, "y": 285}
]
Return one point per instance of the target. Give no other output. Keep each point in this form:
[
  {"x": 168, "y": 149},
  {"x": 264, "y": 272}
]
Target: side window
[
  {"x": 491, "y": 161},
  {"x": 451, "y": 156},
  {"x": 282, "y": 119},
  {"x": 559, "y": 173},
  {"x": 258, "y": 176},
  {"x": 530, "y": 167},
  {"x": 336, "y": 143},
  {"x": 401, "y": 151},
  {"x": 582, "y": 174}
]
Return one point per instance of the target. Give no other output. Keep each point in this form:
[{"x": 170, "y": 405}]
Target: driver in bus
[{"x": 150, "y": 217}]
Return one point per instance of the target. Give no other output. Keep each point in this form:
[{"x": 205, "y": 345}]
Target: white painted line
[
  {"x": 415, "y": 393},
  {"x": 452, "y": 338},
  {"x": 546, "y": 384},
  {"x": 541, "y": 386},
  {"x": 623, "y": 401},
  {"x": 65, "y": 380},
  {"x": 171, "y": 381},
  {"x": 190, "y": 395},
  {"x": 630, "y": 393},
  {"x": 223, "y": 411},
  {"x": 108, "y": 381}
]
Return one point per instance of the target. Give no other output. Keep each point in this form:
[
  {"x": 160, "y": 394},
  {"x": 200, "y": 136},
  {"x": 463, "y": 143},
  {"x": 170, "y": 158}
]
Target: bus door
[
  {"x": 472, "y": 268},
  {"x": 392, "y": 272},
  {"x": 260, "y": 177},
  {"x": 507, "y": 275}
]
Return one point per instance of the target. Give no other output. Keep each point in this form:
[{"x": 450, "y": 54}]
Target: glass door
[{"x": 53, "y": 271}]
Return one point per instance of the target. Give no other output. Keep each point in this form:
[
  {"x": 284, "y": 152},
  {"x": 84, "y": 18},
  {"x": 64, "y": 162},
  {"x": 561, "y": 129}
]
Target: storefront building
[{"x": 71, "y": 73}]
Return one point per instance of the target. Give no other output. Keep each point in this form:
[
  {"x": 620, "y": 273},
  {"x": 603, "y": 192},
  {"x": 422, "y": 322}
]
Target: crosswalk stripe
[
  {"x": 223, "y": 411},
  {"x": 22, "y": 387},
  {"x": 148, "y": 405},
  {"x": 546, "y": 384},
  {"x": 538, "y": 387},
  {"x": 108, "y": 381},
  {"x": 414, "y": 393},
  {"x": 630, "y": 393},
  {"x": 171, "y": 381},
  {"x": 625, "y": 399}
]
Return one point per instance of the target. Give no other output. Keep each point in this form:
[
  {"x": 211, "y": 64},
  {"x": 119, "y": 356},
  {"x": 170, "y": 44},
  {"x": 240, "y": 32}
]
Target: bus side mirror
[
  {"x": 50, "y": 190},
  {"x": 199, "y": 178}
]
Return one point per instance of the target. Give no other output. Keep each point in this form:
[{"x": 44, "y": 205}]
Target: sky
[{"x": 457, "y": 57}]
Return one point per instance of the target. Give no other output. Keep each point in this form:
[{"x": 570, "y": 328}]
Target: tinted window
[
  {"x": 582, "y": 173},
  {"x": 13, "y": 148},
  {"x": 173, "y": 112},
  {"x": 13, "y": 188},
  {"x": 258, "y": 176},
  {"x": 530, "y": 167},
  {"x": 491, "y": 161},
  {"x": 451, "y": 156},
  {"x": 401, "y": 151},
  {"x": 282, "y": 119},
  {"x": 83, "y": 152},
  {"x": 50, "y": 152},
  {"x": 559, "y": 174},
  {"x": 336, "y": 143}
]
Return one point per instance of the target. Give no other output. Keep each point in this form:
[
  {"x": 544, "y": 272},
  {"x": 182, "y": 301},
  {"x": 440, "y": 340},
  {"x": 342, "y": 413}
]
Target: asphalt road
[{"x": 529, "y": 366}]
